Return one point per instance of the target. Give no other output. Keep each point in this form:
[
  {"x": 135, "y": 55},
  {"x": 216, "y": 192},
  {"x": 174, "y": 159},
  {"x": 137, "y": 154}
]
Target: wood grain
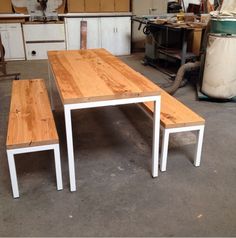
[
  {"x": 174, "y": 113},
  {"x": 96, "y": 75},
  {"x": 31, "y": 121}
]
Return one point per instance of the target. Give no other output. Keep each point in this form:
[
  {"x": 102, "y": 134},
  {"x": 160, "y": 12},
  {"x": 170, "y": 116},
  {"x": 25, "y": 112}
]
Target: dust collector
[{"x": 219, "y": 76}]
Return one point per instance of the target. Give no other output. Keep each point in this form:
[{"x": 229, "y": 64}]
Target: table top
[{"x": 96, "y": 75}]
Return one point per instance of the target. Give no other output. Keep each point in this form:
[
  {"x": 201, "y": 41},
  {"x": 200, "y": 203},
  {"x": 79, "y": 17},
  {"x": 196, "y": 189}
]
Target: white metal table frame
[{"x": 69, "y": 136}]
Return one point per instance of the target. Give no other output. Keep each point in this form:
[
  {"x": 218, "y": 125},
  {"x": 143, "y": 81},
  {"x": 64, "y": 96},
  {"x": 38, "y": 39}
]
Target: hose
[{"x": 180, "y": 75}]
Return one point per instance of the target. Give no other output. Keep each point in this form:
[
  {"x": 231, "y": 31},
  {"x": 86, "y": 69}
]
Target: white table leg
[
  {"x": 156, "y": 134},
  {"x": 70, "y": 149},
  {"x": 12, "y": 169}
]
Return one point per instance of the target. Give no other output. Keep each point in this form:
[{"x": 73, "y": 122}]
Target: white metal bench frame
[
  {"x": 12, "y": 167},
  {"x": 165, "y": 140},
  {"x": 165, "y": 143}
]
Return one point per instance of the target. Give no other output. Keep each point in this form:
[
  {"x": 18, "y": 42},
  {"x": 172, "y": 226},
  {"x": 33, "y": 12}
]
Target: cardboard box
[
  {"x": 107, "y": 5},
  {"x": 122, "y": 5},
  {"x": 195, "y": 41},
  {"x": 76, "y": 6},
  {"x": 20, "y": 10},
  {"x": 92, "y": 6},
  {"x": 5, "y": 6},
  {"x": 61, "y": 8},
  {"x": 205, "y": 18}
]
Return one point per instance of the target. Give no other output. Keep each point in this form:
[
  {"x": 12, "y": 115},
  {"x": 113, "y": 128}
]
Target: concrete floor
[{"x": 116, "y": 194}]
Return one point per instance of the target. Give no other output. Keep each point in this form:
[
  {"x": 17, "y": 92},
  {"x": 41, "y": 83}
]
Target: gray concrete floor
[{"x": 116, "y": 194}]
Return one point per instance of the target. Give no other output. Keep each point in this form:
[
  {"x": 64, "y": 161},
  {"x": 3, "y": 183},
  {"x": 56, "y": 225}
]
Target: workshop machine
[
  {"x": 41, "y": 10},
  {"x": 219, "y": 72},
  {"x": 166, "y": 46}
]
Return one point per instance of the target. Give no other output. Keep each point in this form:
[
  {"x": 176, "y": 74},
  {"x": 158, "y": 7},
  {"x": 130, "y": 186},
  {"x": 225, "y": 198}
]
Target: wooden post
[{"x": 83, "y": 35}]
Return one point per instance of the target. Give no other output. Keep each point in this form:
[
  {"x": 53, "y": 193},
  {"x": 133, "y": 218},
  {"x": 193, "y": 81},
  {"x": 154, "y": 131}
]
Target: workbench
[
  {"x": 168, "y": 39},
  {"x": 180, "y": 32}
]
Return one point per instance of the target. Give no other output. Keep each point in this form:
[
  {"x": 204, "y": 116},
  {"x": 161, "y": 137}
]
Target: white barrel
[{"x": 219, "y": 78}]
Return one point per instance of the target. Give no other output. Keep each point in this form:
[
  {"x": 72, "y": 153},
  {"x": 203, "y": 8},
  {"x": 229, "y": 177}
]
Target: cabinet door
[
  {"x": 12, "y": 40},
  {"x": 108, "y": 33},
  {"x": 72, "y": 27},
  {"x": 73, "y": 33},
  {"x": 116, "y": 34},
  {"x": 122, "y": 35},
  {"x": 5, "y": 40}
]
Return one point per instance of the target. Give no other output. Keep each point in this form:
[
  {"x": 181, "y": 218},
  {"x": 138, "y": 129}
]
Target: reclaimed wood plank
[
  {"x": 174, "y": 113},
  {"x": 31, "y": 120},
  {"x": 95, "y": 75}
]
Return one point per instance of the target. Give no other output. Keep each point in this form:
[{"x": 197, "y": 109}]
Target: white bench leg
[
  {"x": 156, "y": 137},
  {"x": 198, "y": 152},
  {"x": 164, "y": 151},
  {"x": 12, "y": 169},
  {"x": 51, "y": 87},
  {"x": 58, "y": 167}
]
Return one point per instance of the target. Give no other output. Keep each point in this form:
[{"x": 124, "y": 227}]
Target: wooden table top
[{"x": 96, "y": 75}]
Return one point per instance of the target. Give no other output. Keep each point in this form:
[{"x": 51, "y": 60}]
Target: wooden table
[{"x": 95, "y": 78}]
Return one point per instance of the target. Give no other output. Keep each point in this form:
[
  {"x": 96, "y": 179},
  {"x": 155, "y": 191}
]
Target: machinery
[
  {"x": 219, "y": 72},
  {"x": 166, "y": 43},
  {"x": 43, "y": 5},
  {"x": 42, "y": 10}
]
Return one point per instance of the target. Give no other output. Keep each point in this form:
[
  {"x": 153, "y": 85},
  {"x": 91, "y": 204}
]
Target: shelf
[
  {"x": 97, "y": 14},
  {"x": 177, "y": 54}
]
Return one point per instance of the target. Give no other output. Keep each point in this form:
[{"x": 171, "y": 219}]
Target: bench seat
[
  {"x": 31, "y": 126},
  {"x": 176, "y": 117}
]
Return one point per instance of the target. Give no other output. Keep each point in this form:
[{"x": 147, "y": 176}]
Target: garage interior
[{"x": 116, "y": 194}]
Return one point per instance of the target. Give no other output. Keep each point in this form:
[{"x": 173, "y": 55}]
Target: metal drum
[
  {"x": 219, "y": 78},
  {"x": 223, "y": 25}
]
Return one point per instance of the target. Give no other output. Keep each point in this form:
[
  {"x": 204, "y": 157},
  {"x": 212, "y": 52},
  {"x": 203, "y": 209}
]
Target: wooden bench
[
  {"x": 176, "y": 117},
  {"x": 31, "y": 126}
]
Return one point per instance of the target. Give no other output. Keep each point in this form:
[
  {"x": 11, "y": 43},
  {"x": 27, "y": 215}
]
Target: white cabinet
[
  {"x": 116, "y": 34},
  {"x": 111, "y": 33},
  {"x": 12, "y": 40},
  {"x": 41, "y": 38}
]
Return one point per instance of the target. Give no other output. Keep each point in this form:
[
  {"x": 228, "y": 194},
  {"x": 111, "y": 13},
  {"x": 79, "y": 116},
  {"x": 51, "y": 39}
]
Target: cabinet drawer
[
  {"x": 10, "y": 26},
  {"x": 44, "y": 32},
  {"x": 39, "y": 50}
]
